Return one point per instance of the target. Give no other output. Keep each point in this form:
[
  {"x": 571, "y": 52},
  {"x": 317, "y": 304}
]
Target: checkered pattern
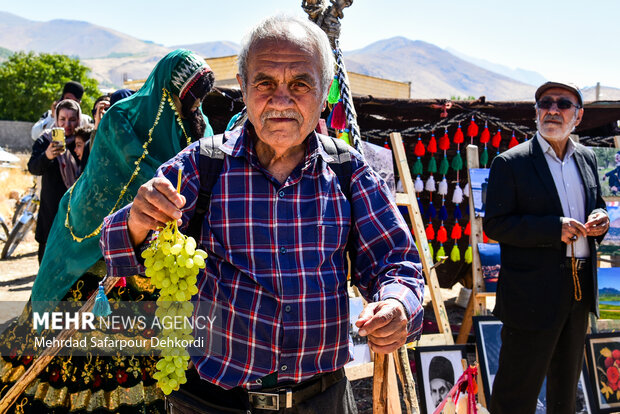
[{"x": 276, "y": 264}]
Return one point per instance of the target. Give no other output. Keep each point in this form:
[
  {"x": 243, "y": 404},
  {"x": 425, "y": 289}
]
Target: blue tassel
[
  {"x": 466, "y": 212},
  {"x": 431, "y": 211},
  {"x": 329, "y": 118},
  {"x": 421, "y": 207},
  {"x": 102, "y": 306},
  {"x": 443, "y": 213},
  {"x": 457, "y": 213}
]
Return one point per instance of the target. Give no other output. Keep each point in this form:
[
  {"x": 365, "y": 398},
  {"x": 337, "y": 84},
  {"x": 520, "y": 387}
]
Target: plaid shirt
[{"x": 277, "y": 265}]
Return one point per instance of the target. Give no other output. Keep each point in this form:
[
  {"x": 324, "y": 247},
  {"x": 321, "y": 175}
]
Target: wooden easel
[{"x": 385, "y": 389}]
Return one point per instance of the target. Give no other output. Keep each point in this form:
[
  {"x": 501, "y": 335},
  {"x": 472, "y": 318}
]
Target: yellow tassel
[
  {"x": 469, "y": 257},
  {"x": 455, "y": 254}
]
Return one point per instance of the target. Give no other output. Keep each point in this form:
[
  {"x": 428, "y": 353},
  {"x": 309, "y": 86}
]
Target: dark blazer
[{"x": 523, "y": 213}]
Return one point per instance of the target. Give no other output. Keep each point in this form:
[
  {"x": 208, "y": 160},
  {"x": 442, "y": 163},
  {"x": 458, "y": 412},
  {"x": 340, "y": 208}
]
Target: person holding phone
[{"x": 53, "y": 158}]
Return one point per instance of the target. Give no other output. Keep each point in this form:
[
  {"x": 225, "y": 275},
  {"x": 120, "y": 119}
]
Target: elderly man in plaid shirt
[{"x": 276, "y": 232}]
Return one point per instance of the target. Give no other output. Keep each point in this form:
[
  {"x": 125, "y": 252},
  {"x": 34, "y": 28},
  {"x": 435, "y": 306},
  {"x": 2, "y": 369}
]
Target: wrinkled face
[
  {"x": 283, "y": 92},
  {"x": 79, "y": 147},
  {"x": 68, "y": 119},
  {"x": 439, "y": 389},
  {"x": 556, "y": 124}
]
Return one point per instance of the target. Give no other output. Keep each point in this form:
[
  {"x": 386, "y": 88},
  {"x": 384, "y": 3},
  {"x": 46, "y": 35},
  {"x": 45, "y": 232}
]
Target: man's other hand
[
  {"x": 385, "y": 325},
  {"x": 156, "y": 203},
  {"x": 572, "y": 229},
  {"x": 597, "y": 224}
]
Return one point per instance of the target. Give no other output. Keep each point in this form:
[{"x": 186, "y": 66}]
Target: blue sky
[{"x": 569, "y": 40}]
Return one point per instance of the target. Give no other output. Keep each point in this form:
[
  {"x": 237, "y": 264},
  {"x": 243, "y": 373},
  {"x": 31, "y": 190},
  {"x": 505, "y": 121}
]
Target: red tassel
[
  {"x": 442, "y": 235},
  {"x": 339, "y": 118},
  {"x": 121, "y": 282},
  {"x": 497, "y": 138},
  {"x": 419, "y": 149},
  {"x": 458, "y": 136},
  {"x": 472, "y": 129},
  {"x": 485, "y": 239},
  {"x": 467, "y": 229},
  {"x": 430, "y": 232},
  {"x": 386, "y": 145},
  {"x": 432, "y": 144},
  {"x": 457, "y": 232},
  {"x": 444, "y": 142},
  {"x": 513, "y": 141},
  {"x": 485, "y": 136}
]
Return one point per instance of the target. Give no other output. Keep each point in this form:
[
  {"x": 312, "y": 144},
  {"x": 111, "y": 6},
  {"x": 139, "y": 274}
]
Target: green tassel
[
  {"x": 418, "y": 169},
  {"x": 102, "y": 306},
  {"x": 457, "y": 162},
  {"x": 441, "y": 253},
  {"x": 455, "y": 254},
  {"x": 484, "y": 158},
  {"x": 430, "y": 249},
  {"x": 432, "y": 166},
  {"x": 444, "y": 166},
  {"x": 345, "y": 137},
  {"x": 469, "y": 255},
  {"x": 334, "y": 92}
]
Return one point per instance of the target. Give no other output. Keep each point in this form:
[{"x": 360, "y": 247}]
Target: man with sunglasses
[{"x": 545, "y": 208}]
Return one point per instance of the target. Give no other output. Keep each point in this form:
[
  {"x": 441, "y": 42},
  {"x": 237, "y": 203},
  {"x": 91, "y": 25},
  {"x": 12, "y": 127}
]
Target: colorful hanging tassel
[
  {"x": 457, "y": 162},
  {"x": 458, "y": 136},
  {"x": 442, "y": 234},
  {"x": 472, "y": 129},
  {"x": 432, "y": 166},
  {"x": 497, "y": 138},
  {"x": 339, "y": 118},
  {"x": 444, "y": 142},
  {"x": 513, "y": 141},
  {"x": 102, "y": 305},
  {"x": 456, "y": 232},
  {"x": 386, "y": 145},
  {"x": 457, "y": 197},
  {"x": 432, "y": 212},
  {"x": 122, "y": 282},
  {"x": 432, "y": 144},
  {"x": 430, "y": 250},
  {"x": 430, "y": 232},
  {"x": 484, "y": 157},
  {"x": 485, "y": 238},
  {"x": 486, "y": 135},
  {"x": 430, "y": 185},
  {"x": 418, "y": 185},
  {"x": 444, "y": 166},
  {"x": 467, "y": 231},
  {"x": 421, "y": 207},
  {"x": 466, "y": 190},
  {"x": 344, "y": 135},
  {"x": 417, "y": 167},
  {"x": 455, "y": 254},
  {"x": 466, "y": 210},
  {"x": 443, "y": 187},
  {"x": 419, "y": 149},
  {"x": 469, "y": 255},
  {"x": 457, "y": 213},
  {"x": 441, "y": 253},
  {"x": 334, "y": 92},
  {"x": 443, "y": 213}
]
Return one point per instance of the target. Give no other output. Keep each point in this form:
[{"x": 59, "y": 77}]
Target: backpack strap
[{"x": 210, "y": 164}]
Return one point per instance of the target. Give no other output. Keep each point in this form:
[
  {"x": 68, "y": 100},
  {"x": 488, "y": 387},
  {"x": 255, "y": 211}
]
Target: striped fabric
[{"x": 276, "y": 266}]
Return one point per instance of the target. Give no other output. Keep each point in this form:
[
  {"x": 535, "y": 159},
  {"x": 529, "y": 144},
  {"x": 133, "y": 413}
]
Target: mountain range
[{"x": 433, "y": 72}]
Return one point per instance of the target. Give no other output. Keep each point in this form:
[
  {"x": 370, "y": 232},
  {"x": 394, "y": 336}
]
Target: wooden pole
[
  {"x": 48, "y": 355},
  {"x": 385, "y": 398},
  {"x": 406, "y": 380}
]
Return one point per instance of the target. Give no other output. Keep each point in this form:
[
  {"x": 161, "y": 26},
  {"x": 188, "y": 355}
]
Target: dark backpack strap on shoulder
[
  {"x": 210, "y": 163},
  {"x": 341, "y": 165}
]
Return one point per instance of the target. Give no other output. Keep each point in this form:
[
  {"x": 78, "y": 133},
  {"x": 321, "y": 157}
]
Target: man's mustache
[
  {"x": 553, "y": 118},
  {"x": 289, "y": 113}
]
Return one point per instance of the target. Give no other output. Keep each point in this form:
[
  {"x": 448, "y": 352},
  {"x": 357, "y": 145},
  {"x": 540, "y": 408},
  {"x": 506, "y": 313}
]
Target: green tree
[{"x": 30, "y": 82}]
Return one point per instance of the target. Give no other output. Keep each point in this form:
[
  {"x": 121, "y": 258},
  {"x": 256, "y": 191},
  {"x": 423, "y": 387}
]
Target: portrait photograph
[
  {"x": 608, "y": 162},
  {"x": 479, "y": 180},
  {"x": 603, "y": 352},
  {"x": 611, "y": 243},
  {"x": 438, "y": 368}
]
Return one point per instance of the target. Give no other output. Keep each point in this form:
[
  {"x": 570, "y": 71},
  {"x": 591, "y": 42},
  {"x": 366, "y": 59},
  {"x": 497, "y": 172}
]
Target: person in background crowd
[
  {"x": 82, "y": 144},
  {"x": 120, "y": 94},
  {"x": 72, "y": 90},
  {"x": 58, "y": 165},
  {"x": 276, "y": 231},
  {"x": 545, "y": 208}
]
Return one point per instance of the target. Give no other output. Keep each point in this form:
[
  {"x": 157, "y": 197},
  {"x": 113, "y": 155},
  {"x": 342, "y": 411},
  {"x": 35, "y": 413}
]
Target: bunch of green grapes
[{"x": 172, "y": 263}]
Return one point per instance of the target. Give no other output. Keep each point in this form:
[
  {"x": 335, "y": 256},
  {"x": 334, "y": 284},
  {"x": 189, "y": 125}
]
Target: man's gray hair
[{"x": 279, "y": 27}]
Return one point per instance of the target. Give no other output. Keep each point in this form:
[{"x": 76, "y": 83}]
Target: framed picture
[
  {"x": 611, "y": 243},
  {"x": 489, "y": 342},
  {"x": 361, "y": 350},
  {"x": 608, "y": 162},
  {"x": 603, "y": 352},
  {"x": 490, "y": 263},
  {"x": 479, "y": 180},
  {"x": 382, "y": 162},
  {"x": 609, "y": 292},
  {"x": 438, "y": 368}
]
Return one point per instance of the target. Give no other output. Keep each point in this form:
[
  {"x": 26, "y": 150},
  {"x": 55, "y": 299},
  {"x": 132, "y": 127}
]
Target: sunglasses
[{"x": 562, "y": 103}]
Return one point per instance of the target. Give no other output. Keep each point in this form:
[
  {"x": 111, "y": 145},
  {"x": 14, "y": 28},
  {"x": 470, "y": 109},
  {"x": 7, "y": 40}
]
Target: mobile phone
[{"x": 58, "y": 135}]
